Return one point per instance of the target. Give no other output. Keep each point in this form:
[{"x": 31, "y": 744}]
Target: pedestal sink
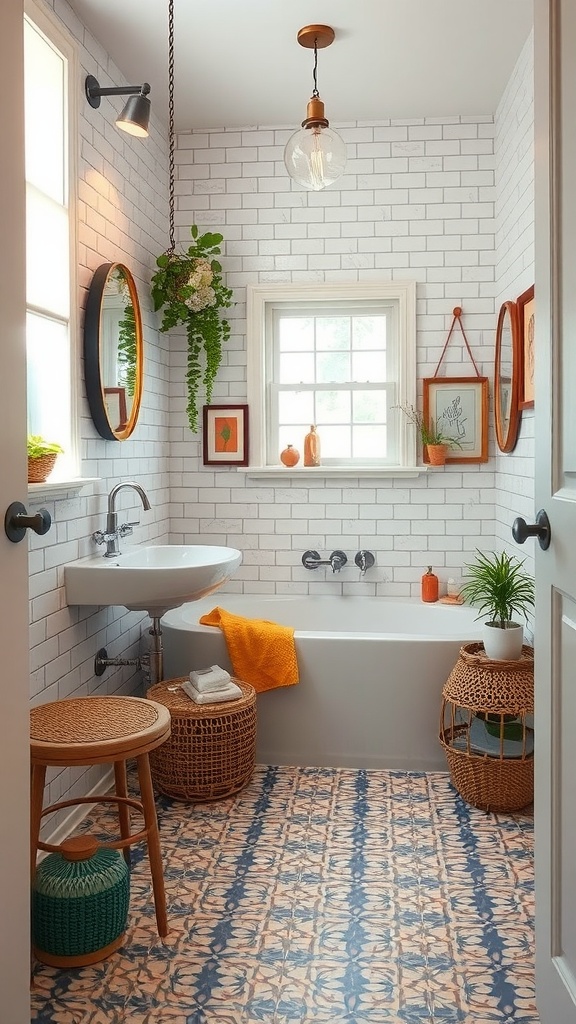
[{"x": 150, "y": 579}]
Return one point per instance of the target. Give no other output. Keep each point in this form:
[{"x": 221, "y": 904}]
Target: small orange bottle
[
  {"x": 429, "y": 586},
  {"x": 312, "y": 448}
]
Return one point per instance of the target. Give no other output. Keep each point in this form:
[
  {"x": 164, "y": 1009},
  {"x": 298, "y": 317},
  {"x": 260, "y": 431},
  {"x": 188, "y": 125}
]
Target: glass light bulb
[{"x": 315, "y": 157}]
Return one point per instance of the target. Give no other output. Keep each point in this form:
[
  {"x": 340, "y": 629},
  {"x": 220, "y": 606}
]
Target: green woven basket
[{"x": 79, "y": 906}]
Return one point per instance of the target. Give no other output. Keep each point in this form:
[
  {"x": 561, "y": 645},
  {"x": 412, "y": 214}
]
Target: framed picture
[
  {"x": 526, "y": 309},
  {"x": 458, "y": 408},
  {"x": 225, "y": 441},
  {"x": 115, "y": 403}
]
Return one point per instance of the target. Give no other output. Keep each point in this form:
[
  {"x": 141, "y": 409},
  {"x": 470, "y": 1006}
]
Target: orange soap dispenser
[{"x": 429, "y": 586}]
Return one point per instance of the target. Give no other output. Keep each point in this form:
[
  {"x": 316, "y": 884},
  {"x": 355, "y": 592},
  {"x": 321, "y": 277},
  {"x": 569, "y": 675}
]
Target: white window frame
[
  {"x": 49, "y": 25},
  {"x": 260, "y": 301}
]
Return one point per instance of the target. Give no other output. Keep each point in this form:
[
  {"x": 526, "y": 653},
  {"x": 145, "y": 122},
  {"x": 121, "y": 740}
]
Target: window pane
[
  {"x": 47, "y": 254},
  {"x": 333, "y": 368},
  {"x": 48, "y": 368},
  {"x": 333, "y": 332},
  {"x": 369, "y": 366},
  {"x": 296, "y": 334},
  {"x": 296, "y": 407},
  {"x": 369, "y": 442},
  {"x": 369, "y": 406},
  {"x": 369, "y": 332},
  {"x": 296, "y": 369},
  {"x": 44, "y": 70},
  {"x": 333, "y": 407},
  {"x": 336, "y": 442}
]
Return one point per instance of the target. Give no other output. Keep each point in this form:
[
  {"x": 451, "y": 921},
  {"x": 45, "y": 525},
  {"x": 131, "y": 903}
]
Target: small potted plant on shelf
[
  {"x": 435, "y": 443},
  {"x": 41, "y": 458},
  {"x": 498, "y": 585}
]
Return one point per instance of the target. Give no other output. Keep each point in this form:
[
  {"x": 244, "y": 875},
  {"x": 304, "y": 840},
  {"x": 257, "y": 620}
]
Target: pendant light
[{"x": 315, "y": 156}]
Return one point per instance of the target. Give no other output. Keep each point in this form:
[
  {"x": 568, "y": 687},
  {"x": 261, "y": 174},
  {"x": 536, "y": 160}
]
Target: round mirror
[
  {"x": 507, "y": 377},
  {"x": 113, "y": 352}
]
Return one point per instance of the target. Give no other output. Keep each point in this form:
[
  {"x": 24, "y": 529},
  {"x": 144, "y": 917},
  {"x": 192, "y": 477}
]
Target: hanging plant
[{"x": 189, "y": 287}]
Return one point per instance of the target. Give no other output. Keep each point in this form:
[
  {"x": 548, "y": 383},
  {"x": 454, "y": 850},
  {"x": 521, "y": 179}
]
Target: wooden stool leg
[
  {"x": 123, "y": 810},
  {"x": 37, "y": 780},
  {"x": 154, "y": 852}
]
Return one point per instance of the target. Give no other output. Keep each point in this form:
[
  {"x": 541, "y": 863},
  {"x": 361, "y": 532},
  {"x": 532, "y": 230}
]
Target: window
[
  {"x": 50, "y": 259},
  {"x": 339, "y": 356}
]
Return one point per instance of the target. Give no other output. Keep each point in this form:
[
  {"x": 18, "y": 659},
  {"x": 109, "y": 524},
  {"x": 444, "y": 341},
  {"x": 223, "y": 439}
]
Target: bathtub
[{"x": 371, "y": 676}]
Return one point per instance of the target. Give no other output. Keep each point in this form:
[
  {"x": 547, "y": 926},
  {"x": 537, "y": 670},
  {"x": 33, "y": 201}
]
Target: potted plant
[
  {"x": 41, "y": 458},
  {"x": 497, "y": 584},
  {"x": 189, "y": 287},
  {"x": 433, "y": 440}
]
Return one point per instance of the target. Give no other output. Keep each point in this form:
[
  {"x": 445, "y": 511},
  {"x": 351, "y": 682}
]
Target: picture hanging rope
[{"x": 456, "y": 319}]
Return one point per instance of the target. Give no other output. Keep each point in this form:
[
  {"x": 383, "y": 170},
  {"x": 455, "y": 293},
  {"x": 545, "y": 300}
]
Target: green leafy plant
[
  {"x": 497, "y": 584},
  {"x": 189, "y": 288},
  {"x": 429, "y": 434},
  {"x": 38, "y": 447},
  {"x": 127, "y": 350}
]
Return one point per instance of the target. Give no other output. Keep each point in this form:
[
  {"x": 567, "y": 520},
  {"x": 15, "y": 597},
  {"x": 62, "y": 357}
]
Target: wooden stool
[{"x": 102, "y": 730}]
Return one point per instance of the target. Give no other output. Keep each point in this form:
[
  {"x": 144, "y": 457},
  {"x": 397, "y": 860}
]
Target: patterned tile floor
[{"x": 325, "y": 896}]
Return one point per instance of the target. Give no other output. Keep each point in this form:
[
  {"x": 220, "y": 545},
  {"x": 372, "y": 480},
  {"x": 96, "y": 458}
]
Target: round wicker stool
[
  {"x": 212, "y": 749},
  {"x": 102, "y": 730},
  {"x": 486, "y": 730}
]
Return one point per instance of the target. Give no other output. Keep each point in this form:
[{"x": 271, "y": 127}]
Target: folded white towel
[
  {"x": 213, "y": 678},
  {"x": 232, "y": 692}
]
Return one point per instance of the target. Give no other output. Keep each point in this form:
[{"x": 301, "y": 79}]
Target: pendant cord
[
  {"x": 315, "y": 92},
  {"x": 171, "y": 120}
]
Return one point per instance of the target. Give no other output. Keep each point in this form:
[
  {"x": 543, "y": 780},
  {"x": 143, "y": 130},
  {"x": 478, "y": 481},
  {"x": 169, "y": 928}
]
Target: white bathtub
[{"x": 371, "y": 676}]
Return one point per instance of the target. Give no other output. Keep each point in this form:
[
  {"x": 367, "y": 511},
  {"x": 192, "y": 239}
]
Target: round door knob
[{"x": 540, "y": 529}]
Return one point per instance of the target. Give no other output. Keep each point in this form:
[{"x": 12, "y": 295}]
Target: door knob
[
  {"x": 17, "y": 521},
  {"x": 540, "y": 529}
]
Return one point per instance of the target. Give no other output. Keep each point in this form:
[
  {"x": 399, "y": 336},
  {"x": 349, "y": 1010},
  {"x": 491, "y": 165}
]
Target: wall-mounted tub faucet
[
  {"x": 113, "y": 532},
  {"x": 364, "y": 560},
  {"x": 312, "y": 560}
]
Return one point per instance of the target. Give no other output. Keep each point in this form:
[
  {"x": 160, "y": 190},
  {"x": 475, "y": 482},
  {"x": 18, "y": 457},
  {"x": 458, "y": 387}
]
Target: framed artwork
[
  {"x": 115, "y": 404},
  {"x": 526, "y": 310},
  {"x": 225, "y": 430},
  {"x": 458, "y": 408}
]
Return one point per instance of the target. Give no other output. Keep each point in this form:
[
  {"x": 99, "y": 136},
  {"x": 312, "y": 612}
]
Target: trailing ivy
[{"x": 188, "y": 287}]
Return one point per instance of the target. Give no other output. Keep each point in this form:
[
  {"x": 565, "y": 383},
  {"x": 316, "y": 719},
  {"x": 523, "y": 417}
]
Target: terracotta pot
[
  {"x": 39, "y": 469},
  {"x": 436, "y": 454}
]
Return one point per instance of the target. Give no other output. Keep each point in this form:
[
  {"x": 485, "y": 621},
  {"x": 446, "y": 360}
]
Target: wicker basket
[
  {"x": 211, "y": 752},
  {"x": 479, "y": 687},
  {"x": 39, "y": 469}
]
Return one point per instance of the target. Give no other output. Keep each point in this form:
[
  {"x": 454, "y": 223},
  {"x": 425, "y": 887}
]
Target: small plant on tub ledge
[
  {"x": 497, "y": 584},
  {"x": 41, "y": 458},
  {"x": 189, "y": 288},
  {"x": 433, "y": 440}
]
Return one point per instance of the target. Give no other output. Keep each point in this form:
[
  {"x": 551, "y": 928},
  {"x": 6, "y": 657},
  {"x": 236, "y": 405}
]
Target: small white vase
[{"x": 503, "y": 644}]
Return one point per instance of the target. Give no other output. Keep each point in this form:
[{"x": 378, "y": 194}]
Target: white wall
[
  {"x": 515, "y": 273},
  {"x": 417, "y": 202},
  {"x": 122, "y": 216}
]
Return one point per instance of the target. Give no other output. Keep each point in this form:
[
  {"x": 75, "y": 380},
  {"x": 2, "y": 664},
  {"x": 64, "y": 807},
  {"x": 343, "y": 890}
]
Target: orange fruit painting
[{"x": 225, "y": 434}]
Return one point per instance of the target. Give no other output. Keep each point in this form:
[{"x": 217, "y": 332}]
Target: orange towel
[{"x": 262, "y": 653}]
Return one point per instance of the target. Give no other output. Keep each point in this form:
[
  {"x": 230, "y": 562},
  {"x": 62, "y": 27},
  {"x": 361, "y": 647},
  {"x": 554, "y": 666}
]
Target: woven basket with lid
[{"x": 497, "y": 692}]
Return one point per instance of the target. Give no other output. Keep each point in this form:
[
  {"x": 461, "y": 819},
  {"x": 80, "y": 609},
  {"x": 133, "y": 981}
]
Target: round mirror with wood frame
[
  {"x": 113, "y": 351},
  {"x": 507, "y": 377}
]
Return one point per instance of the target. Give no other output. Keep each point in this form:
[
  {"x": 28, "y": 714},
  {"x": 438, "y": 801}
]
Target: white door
[
  {"x": 14, "y": 676},
  {"x": 555, "y": 421}
]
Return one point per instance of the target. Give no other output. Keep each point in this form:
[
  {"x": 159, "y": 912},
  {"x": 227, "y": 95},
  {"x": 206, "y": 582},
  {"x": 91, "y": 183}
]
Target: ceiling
[{"x": 237, "y": 62}]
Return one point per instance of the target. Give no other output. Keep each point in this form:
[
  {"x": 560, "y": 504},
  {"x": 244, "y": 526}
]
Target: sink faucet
[
  {"x": 311, "y": 560},
  {"x": 113, "y": 532}
]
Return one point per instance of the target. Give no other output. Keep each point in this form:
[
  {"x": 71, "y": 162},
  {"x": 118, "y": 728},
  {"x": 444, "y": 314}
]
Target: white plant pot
[{"x": 503, "y": 644}]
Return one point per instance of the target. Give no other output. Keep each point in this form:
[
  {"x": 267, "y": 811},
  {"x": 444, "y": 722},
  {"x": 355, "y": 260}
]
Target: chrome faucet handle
[
  {"x": 126, "y": 529},
  {"x": 311, "y": 560},
  {"x": 99, "y": 537},
  {"x": 364, "y": 560},
  {"x": 337, "y": 560}
]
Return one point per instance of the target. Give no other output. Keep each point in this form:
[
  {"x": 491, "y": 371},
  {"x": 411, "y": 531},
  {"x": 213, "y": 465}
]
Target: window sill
[
  {"x": 304, "y": 472},
  {"x": 60, "y": 488}
]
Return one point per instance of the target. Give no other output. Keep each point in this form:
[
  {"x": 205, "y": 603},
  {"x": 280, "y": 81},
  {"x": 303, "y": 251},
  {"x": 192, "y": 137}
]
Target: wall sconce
[
  {"x": 136, "y": 113},
  {"x": 315, "y": 156}
]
